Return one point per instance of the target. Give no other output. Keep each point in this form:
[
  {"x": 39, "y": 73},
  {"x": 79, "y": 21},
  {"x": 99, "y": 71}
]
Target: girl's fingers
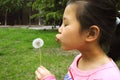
[
  {"x": 38, "y": 76},
  {"x": 45, "y": 70},
  {"x": 42, "y": 72}
]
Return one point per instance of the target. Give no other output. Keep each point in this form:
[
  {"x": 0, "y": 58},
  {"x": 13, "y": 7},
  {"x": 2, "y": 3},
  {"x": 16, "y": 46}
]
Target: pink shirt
[{"x": 108, "y": 71}]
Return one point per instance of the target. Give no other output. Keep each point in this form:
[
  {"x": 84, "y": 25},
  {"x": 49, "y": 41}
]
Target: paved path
[
  {"x": 31, "y": 27},
  {"x": 43, "y": 27}
]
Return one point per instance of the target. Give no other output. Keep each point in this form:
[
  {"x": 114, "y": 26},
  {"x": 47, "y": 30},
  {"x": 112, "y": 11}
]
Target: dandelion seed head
[{"x": 37, "y": 43}]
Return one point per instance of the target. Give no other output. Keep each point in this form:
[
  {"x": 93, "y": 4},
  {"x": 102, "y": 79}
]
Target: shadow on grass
[{"x": 1, "y": 54}]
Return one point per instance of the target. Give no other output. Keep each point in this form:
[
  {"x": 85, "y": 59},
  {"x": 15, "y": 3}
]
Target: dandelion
[{"x": 37, "y": 44}]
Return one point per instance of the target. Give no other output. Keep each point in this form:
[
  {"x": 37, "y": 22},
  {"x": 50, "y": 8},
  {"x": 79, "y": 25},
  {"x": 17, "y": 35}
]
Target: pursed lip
[{"x": 58, "y": 38}]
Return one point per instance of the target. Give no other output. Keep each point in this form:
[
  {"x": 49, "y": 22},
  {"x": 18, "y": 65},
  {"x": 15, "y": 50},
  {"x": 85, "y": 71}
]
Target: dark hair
[
  {"x": 101, "y": 13},
  {"x": 115, "y": 46}
]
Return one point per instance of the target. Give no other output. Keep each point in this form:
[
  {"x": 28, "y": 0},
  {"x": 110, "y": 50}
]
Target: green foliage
[
  {"x": 43, "y": 4},
  {"x": 50, "y": 10},
  {"x": 9, "y": 5}
]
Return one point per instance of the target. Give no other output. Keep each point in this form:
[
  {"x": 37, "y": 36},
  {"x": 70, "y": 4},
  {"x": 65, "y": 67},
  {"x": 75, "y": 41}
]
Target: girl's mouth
[{"x": 58, "y": 38}]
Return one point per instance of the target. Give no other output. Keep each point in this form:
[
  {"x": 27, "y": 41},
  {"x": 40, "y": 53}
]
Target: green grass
[{"x": 19, "y": 60}]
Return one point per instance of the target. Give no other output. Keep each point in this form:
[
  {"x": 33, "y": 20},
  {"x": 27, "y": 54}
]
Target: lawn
[{"x": 19, "y": 60}]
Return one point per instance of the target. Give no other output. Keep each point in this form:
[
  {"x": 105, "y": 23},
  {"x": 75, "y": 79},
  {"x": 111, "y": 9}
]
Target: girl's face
[{"x": 69, "y": 35}]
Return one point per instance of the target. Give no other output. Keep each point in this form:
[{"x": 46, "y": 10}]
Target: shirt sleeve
[{"x": 50, "y": 77}]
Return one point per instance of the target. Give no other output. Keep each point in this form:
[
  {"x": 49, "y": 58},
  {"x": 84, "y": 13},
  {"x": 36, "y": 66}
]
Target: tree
[
  {"x": 7, "y": 6},
  {"x": 50, "y": 10},
  {"x": 27, "y": 5}
]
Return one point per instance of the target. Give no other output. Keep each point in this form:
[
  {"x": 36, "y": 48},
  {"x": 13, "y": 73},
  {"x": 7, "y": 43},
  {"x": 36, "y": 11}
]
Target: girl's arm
[{"x": 43, "y": 74}]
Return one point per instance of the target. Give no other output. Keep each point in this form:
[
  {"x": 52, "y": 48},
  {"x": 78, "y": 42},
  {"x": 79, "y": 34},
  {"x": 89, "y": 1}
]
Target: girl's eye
[{"x": 66, "y": 25}]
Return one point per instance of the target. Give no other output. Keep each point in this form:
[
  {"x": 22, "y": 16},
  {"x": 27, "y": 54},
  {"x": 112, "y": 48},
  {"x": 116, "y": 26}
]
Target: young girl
[{"x": 88, "y": 26}]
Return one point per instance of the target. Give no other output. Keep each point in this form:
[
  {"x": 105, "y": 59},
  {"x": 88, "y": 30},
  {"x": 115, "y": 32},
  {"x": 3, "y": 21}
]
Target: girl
[{"x": 88, "y": 26}]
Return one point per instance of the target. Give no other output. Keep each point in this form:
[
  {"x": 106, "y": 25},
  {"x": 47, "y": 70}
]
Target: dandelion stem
[{"x": 40, "y": 56}]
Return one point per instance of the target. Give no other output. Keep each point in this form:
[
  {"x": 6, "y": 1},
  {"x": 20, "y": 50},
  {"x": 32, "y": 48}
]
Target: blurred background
[{"x": 31, "y": 12}]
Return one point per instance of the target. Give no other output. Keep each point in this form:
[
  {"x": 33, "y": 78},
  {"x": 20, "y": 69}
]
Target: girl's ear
[{"x": 93, "y": 33}]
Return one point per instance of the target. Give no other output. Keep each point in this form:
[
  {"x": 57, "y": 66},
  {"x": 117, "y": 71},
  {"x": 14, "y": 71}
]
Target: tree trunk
[
  {"x": 6, "y": 18},
  {"x": 30, "y": 12},
  {"x": 39, "y": 22}
]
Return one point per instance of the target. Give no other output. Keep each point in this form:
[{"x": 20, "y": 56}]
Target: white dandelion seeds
[{"x": 37, "y": 43}]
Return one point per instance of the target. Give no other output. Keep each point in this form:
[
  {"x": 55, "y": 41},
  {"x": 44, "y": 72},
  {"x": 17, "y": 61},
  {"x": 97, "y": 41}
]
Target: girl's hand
[{"x": 41, "y": 73}]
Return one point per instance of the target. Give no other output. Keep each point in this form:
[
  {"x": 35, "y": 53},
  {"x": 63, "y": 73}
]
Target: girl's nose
[{"x": 60, "y": 29}]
